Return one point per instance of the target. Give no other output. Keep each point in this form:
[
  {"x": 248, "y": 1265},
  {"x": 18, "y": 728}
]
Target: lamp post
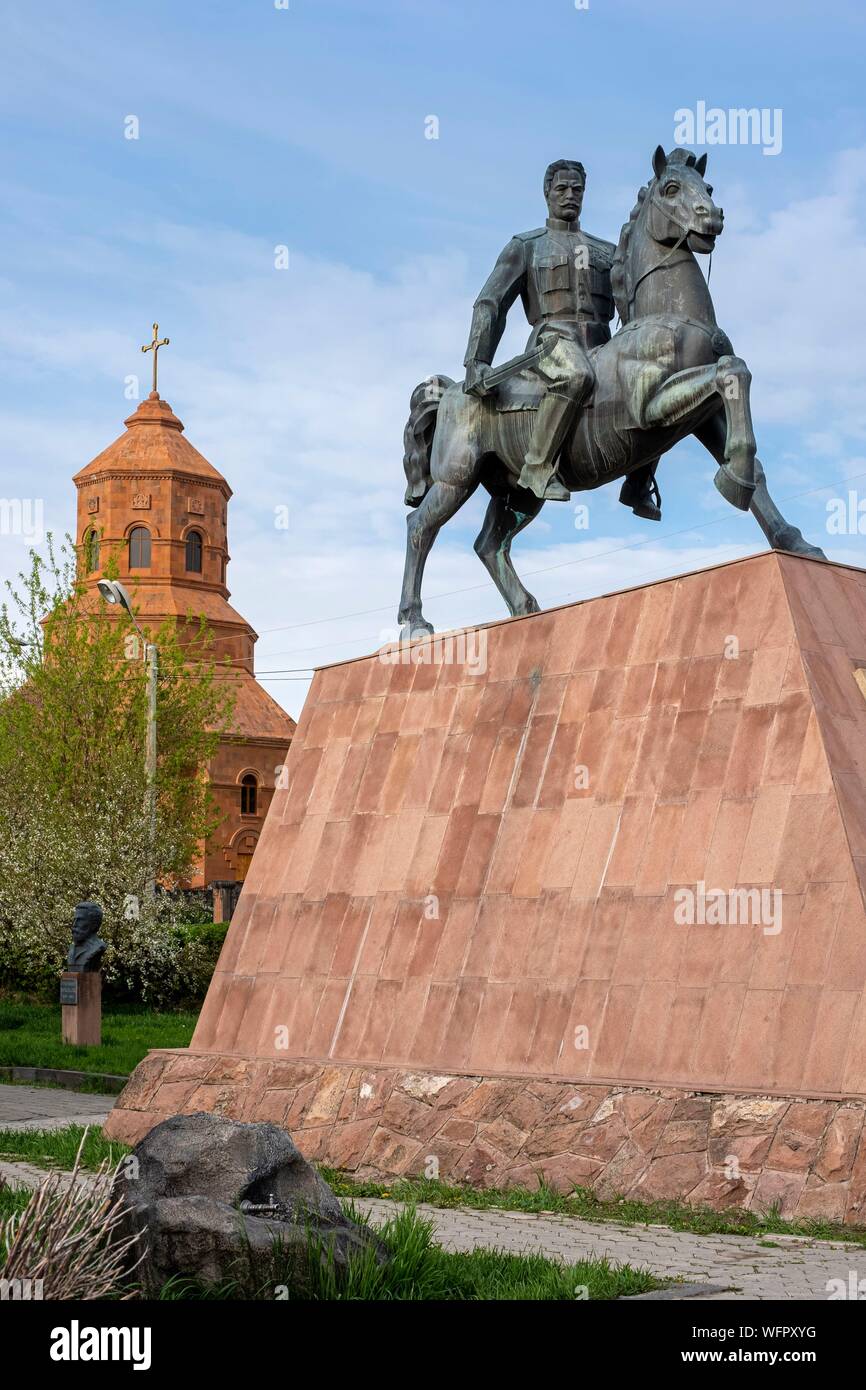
[{"x": 114, "y": 592}]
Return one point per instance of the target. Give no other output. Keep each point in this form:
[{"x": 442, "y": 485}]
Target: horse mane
[{"x": 618, "y": 283}]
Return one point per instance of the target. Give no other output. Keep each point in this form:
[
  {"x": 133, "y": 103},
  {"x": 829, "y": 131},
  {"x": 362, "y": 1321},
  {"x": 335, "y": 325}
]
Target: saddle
[{"x": 523, "y": 391}]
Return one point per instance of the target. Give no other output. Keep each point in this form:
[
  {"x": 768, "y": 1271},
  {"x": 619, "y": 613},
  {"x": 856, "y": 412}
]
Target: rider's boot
[
  {"x": 640, "y": 492},
  {"x": 541, "y": 479},
  {"x": 552, "y": 423}
]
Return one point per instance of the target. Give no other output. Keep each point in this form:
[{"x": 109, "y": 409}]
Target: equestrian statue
[{"x": 580, "y": 408}]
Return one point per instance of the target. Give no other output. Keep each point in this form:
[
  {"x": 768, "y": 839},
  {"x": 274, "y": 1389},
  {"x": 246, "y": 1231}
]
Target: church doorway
[
  {"x": 242, "y": 865},
  {"x": 243, "y": 848}
]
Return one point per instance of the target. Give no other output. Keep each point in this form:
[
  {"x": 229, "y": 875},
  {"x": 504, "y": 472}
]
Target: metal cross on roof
[{"x": 154, "y": 347}]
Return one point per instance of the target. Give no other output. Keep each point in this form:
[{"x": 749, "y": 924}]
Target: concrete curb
[
  {"x": 678, "y": 1291},
  {"x": 67, "y": 1080},
  {"x": 27, "y": 1175}
]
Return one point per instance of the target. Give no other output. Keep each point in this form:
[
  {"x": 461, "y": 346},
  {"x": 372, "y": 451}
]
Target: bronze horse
[{"x": 669, "y": 372}]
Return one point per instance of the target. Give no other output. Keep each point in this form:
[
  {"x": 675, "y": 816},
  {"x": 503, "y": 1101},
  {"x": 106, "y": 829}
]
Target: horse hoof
[
  {"x": 528, "y": 607},
  {"x": 794, "y": 542},
  {"x": 734, "y": 489},
  {"x": 412, "y": 629}
]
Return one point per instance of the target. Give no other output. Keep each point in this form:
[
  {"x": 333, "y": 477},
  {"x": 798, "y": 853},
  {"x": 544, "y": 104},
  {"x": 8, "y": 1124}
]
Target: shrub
[
  {"x": 67, "y": 1239},
  {"x": 168, "y": 966}
]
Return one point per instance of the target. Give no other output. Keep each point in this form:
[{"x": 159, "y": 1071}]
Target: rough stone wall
[{"x": 753, "y": 1152}]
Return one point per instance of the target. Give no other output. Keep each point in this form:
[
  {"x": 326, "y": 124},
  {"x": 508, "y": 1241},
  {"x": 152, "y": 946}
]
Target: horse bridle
[{"x": 686, "y": 233}]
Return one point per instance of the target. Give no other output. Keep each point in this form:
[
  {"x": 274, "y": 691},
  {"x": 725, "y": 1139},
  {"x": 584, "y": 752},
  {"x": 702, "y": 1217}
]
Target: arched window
[
  {"x": 193, "y": 552},
  {"x": 139, "y": 548},
  {"x": 91, "y": 551},
  {"x": 249, "y": 795}
]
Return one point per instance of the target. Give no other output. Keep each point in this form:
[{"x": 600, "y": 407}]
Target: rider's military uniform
[
  {"x": 563, "y": 278},
  {"x": 562, "y": 275}
]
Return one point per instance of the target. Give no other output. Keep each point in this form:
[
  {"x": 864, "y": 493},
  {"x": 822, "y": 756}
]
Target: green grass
[
  {"x": 56, "y": 1148},
  {"x": 420, "y": 1271},
  {"x": 584, "y": 1203},
  {"x": 30, "y": 1037},
  {"x": 12, "y": 1200}
]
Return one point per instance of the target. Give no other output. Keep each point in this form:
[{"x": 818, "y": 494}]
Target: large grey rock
[{"x": 209, "y": 1197}]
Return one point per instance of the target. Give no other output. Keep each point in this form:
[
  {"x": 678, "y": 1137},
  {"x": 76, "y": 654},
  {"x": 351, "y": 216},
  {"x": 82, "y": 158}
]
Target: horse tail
[{"x": 418, "y": 436}]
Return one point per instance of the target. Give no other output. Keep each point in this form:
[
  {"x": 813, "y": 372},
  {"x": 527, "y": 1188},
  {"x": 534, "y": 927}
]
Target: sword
[{"x": 494, "y": 376}]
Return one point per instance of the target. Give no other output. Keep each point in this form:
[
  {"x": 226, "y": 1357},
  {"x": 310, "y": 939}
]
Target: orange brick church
[{"x": 155, "y": 502}]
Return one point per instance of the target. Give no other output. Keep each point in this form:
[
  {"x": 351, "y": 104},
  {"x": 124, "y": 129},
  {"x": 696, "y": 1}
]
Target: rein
[{"x": 653, "y": 202}]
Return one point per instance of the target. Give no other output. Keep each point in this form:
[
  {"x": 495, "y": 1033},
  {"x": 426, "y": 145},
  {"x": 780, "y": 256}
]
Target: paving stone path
[
  {"x": 740, "y": 1266},
  {"x": 44, "y": 1107}
]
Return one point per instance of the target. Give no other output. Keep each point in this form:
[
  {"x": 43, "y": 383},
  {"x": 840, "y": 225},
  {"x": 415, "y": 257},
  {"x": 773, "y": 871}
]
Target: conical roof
[{"x": 154, "y": 442}]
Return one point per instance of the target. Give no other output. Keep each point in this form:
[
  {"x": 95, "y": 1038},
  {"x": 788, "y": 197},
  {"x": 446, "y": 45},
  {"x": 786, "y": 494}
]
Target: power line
[
  {"x": 545, "y": 569},
  {"x": 288, "y": 672}
]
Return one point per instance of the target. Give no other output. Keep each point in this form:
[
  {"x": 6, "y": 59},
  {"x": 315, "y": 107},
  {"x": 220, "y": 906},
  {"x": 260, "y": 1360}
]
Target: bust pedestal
[{"x": 81, "y": 1007}]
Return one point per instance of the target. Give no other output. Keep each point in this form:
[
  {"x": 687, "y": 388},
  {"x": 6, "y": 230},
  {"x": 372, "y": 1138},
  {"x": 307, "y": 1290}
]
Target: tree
[{"x": 74, "y": 820}]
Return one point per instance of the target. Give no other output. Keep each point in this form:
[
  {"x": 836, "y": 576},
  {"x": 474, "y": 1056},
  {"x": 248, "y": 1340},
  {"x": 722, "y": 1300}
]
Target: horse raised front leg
[
  {"x": 736, "y": 476},
  {"x": 781, "y": 534},
  {"x": 505, "y": 517},
  {"x": 422, "y": 528},
  {"x": 685, "y": 392}
]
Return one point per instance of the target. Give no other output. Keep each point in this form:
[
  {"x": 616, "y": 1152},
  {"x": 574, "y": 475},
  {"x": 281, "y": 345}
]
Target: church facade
[{"x": 160, "y": 508}]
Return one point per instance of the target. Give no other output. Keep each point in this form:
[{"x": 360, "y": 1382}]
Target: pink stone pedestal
[
  {"x": 461, "y": 933},
  {"x": 82, "y": 1022}
]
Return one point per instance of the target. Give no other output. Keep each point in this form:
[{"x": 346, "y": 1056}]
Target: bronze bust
[{"x": 87, "y": 947}]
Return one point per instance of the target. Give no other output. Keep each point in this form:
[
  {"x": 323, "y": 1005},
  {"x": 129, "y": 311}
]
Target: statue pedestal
[
  {"x": 475, "y": 928},
  {"x": 81, "y": 1007}
]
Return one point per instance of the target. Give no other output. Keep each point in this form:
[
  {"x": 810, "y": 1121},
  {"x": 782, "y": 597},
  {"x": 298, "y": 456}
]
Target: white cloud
[{"x": 791, "y": 293}]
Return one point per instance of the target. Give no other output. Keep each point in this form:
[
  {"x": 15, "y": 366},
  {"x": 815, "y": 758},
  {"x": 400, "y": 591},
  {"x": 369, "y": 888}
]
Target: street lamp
[{"x": 114, "y": 592}]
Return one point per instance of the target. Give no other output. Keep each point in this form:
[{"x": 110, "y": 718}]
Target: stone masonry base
[{"x": 807, "y": 1157}]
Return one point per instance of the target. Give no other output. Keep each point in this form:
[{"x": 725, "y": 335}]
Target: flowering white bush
[{"x": 74, "y": 822}]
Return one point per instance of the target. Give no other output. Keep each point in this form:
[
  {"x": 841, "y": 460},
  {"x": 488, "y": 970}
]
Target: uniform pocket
[{"x": 554, "y": 274}]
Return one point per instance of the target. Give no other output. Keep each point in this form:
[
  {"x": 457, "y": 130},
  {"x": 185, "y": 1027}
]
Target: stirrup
[
  {"x": 556, "y": 491},
  {"x": 648, "y": 505}
]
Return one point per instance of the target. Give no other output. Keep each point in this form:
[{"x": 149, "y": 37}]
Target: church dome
[{"x": 154, "y": 442}]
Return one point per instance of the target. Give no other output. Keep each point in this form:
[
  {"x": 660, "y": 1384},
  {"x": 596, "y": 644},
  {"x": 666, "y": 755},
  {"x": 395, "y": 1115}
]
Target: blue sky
[{"x": 305, "y": 127}]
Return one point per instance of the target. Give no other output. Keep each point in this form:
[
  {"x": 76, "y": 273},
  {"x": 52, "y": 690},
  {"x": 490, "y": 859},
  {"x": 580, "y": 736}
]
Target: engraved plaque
[
  {"x": 93, "y": 504},
  {"x": 69, "y": 991},
  {"x": 195, "y": 505},
  {"x": 141, "y": 501}
]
